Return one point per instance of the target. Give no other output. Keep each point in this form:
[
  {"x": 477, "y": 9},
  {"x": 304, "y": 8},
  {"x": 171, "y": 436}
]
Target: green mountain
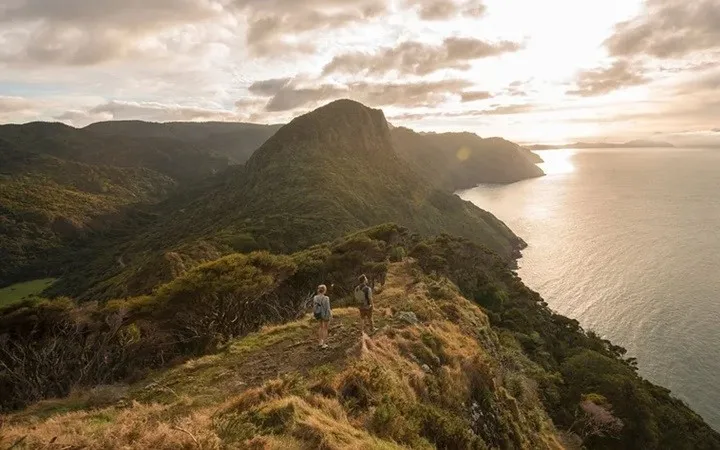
[
  {"x": 181, "y": 161},
  {"x": 323, "y": 175},
  {"x": 57, "y": 183},
  {"x": 463, "y": 160},
  {"x": 235, "y": 141}
]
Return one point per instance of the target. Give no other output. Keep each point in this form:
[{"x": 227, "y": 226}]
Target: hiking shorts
[{"x": 366, "y": 312}]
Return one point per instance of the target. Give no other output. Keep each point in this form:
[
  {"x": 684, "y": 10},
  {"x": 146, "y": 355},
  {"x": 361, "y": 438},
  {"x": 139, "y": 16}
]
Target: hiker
[
  {"x": 322, "y": 313},
  {"x": 363, "y": 296}
]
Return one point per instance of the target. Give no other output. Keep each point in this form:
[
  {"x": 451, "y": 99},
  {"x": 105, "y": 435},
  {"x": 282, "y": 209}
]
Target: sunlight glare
[{"x": 557, "y": 162}]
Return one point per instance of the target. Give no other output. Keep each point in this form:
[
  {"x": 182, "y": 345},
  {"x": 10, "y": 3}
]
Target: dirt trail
[
  {"x": 276, "y": 351},
  {"x": 300, "y": 353}
]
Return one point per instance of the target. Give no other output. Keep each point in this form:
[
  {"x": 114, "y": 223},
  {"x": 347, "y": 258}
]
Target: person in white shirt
[{"x": 322, "y": 313}]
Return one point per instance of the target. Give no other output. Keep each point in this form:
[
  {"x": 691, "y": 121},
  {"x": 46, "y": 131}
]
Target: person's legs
[
  {"x": 370, "y": 320},
  {"x": 321, "y": 332},
  {"x": 362, "y": 321},
  {"x": 326, "y": 330}
]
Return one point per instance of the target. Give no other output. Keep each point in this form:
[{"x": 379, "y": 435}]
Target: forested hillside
[
  {"x": 463, "y": 160},
  {"x": 46, "y": 201},
  {"x": 235, "y": 141},
  {"x": 59, "y": 184},
  {"x": 325, "y": 174}
]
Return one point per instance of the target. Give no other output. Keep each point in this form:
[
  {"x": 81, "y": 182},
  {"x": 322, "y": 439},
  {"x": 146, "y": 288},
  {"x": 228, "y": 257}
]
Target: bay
[{"x": 627, "y": 241}]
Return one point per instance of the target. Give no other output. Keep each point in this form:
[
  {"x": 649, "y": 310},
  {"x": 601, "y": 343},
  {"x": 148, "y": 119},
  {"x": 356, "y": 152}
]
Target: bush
[{"x": 397, "y": 254}]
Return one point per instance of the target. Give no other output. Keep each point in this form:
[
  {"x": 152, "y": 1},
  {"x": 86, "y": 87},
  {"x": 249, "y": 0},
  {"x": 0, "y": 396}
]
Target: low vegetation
[
  {"x": 497, "y": 370},
  {"x": 435, "y": 384}
]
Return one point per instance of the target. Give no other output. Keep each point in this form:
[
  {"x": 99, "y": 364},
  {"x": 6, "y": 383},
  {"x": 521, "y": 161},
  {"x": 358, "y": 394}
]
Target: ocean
[{"x": 627, "y": 241}]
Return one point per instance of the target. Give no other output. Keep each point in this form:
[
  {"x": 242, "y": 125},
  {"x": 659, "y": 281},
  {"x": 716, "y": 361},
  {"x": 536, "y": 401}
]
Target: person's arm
[
  {"x": 327, "y": 306},
  {"x": 366, "y": 289}
]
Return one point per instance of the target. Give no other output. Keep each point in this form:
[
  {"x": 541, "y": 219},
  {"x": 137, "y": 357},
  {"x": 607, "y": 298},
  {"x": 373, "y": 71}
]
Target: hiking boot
[{"x": 324, "y": 347}]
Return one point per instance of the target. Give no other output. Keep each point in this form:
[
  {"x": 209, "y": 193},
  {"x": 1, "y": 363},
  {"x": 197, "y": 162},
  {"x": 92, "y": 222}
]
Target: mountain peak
[
  {"x": 345, "y": 114},
  {"x": 343, "y": 127}
]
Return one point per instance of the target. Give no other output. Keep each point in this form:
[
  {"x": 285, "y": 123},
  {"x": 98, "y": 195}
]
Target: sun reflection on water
[{"x": 557, "y": 162}]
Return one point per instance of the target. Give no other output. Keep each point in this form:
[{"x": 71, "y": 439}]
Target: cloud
[
  {"x": 150, "y": 111},
  {"x": 14, "y": 104},
  {"x": 296, "y": 94},
  {"x": 506, "y": 109},
  {"x": 601, "y": 81},
  {"x": 432, "y": 10},
  {"x": 81, "y": 32},
  {"x": 268, "y": 87},
  {"x": 289, "y": 97},
  {"x": 418, "y": 58},
  {"x": 517, "y": 89},
  {"x": 126, "y": 14},
  {"x": 668, "y": 29},
  {"x": 275, "y": 26},
  {"x": 471, "y": 96},
  {"x": 715, "y": 130},
  {"x": 496, "y": 110}
]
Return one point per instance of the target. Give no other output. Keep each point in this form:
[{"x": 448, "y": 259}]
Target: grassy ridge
[{"x": 409, "y": 386}]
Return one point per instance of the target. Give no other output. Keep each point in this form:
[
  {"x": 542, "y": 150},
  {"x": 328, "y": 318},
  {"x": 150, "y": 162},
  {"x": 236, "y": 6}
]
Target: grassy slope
[
  {"x": 20, "y": 291},
  {"x": 275, "y": 390},
  {"x": 326, "y": 174}
]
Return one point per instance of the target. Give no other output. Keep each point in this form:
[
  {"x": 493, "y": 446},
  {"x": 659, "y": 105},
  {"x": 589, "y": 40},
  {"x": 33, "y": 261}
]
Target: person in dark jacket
[{"x": 364, "y": 298}]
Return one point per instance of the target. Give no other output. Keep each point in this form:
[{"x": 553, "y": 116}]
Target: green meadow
[{"x": 20, "y": 291}]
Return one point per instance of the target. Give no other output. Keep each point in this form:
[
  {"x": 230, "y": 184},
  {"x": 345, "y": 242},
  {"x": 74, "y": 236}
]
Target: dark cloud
[
  {"x": 595, "y": 82},
  {"x": 715, "y": 130},
  {"x": 411, "y": 94},
  {"x": 81, "y": 32},
  {"x": 289, "y": 97},
  {"x": 669, "y": 29},
  {"x": 268, "y": 87},
  {"x": 293, "y": 95},
  {"x": 472, "y": 96},
  {"x": 136, "y": 14},
  {"x": 419, "y": 58}
]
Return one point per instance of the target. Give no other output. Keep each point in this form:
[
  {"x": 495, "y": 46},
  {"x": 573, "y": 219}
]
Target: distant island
[{"x": 630, "y": 144}]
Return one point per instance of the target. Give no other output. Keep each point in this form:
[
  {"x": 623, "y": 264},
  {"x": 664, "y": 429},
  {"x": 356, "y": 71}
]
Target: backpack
[
  {"x": 317, "y": 310},
  {"x": 360, "y": 296}
]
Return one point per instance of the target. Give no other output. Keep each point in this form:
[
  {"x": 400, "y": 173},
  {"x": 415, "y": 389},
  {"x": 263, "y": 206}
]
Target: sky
[{"x": 540, "y": 71}]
